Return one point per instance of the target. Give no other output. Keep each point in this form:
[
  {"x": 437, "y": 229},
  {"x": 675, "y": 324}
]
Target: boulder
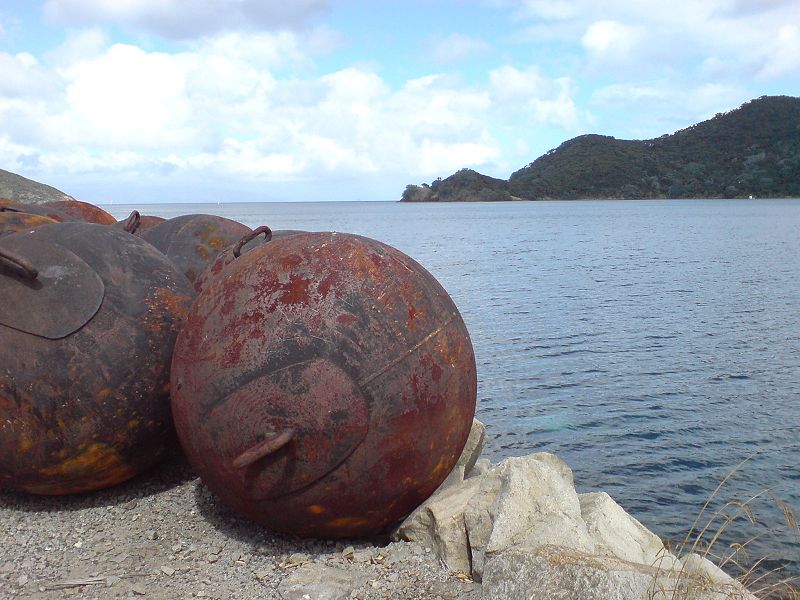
[
  {"x": 556, "y": 573},
  {"x": 524, "y": 502},
  {"x": 482, "y": 465},
  {"x": 439, "y": 524},
  {"x": 715, "y": 582},
  {"x": 473, "y": 447},
  {"x": 616, "y": 533},
  {"x": 522, "y": 529}
]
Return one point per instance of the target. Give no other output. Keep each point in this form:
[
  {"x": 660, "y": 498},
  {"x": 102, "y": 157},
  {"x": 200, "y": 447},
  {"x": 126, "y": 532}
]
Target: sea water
[{"x": 653, "y": 345}]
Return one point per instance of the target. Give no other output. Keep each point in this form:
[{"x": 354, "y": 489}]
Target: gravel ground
[{"x": 163, "y": 535}]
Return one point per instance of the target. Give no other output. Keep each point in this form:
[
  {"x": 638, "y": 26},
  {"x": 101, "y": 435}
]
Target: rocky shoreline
[{"x": 517, "y": 529}]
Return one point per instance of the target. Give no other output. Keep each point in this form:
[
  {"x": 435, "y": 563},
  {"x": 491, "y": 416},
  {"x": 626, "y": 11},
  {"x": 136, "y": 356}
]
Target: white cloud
[
  {"x": 544, "y": 101},
  {"x": 782, "y": 56},
  {"x": 698, "y": 39},
  {"x": 21, "y": 76},
  {"x": 455, "y": 47},
  {"x": 228, "y": 106},
  {"x": 183, "y": 19},
  {"x": 611, "y": 40},
  {"x": 127, "y": 97}
]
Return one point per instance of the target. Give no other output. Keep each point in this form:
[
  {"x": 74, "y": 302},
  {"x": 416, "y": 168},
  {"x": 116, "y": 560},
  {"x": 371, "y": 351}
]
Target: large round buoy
[
  {"x": 323, "y": 385},
  {"x": 88, "y": 319},
  {"x": 191, "y": 242}
]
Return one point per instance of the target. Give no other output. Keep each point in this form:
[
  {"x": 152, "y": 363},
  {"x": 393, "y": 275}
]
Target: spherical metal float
[
  {"x": 88, "y": 321},
  {"x": 324, "y": 385},
  {"x": 78, "y": 210},
  {"x": 193, "y": 241}
]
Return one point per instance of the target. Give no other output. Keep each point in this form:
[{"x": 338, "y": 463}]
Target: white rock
[
  {"x": 439, "y": 524},
  {"x": 616, "y": 533},
  {"x": 553, "y": 573},
  {"x": 482, "y": 465},
  {"x": 712, "y": 582},
  {"x": 524, "y": 502},
  {"x": 473, "y": 447},
  {"x": 318, "y": 582}
]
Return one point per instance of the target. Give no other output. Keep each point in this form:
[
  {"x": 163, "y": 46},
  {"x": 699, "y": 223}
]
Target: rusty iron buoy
[
  {"x": 193, "y": 241},
  {"x": 11, "y": 222},
  {"x": 88, "y": 320},
  {"x": 324, "y": 386},
  {"x": 78, "y": 210}
]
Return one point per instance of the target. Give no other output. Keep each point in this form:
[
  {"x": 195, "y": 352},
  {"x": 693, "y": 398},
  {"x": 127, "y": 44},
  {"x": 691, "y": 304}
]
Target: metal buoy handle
[
  {"x": 132, "y": 222},
  {"x": 265, "y": 448},
  {"x": 19, "y": 265},
  {"x": 237, "y": 249}
]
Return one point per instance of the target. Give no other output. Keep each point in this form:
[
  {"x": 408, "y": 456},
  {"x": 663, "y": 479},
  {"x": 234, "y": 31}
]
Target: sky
[{"x": 279, "y": 100}]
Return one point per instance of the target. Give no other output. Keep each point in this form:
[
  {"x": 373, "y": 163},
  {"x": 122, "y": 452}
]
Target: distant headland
[{"x": 753, "y": 150}]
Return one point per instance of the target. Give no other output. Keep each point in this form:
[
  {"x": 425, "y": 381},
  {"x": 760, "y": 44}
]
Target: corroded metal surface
[
  {"x": 324, "y": 386},
  {"x": 193, "y": 241},
  {"x": 82, "y": 211},
  {"x": 90, "y": 408},
  {"x": 20, "y": 221}
]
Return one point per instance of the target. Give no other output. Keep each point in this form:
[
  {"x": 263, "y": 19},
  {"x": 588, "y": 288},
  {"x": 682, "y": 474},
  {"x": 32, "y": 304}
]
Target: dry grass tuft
[{"x": 704, "y": 539}]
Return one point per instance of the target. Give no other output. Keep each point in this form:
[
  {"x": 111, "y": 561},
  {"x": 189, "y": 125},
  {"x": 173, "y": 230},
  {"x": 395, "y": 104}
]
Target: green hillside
[{"x": 751, "y": 151}]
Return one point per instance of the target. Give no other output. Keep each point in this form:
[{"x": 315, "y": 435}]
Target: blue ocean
[{"x": 653, "y": 345}]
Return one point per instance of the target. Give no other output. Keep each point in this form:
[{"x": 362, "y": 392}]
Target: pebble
[{"x": 171, "y": 553}]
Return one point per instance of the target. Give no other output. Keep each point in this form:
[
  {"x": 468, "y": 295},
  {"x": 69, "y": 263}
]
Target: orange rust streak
[
  {"x": 95, "y": 464},
  {"x": 347, "y": 522}
]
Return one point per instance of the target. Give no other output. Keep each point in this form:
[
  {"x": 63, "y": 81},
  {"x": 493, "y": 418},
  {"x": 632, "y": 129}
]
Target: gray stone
[
  {"x": 553, "y": 573},
  {"x": 319, "y": 582},
  {"x": 456, "y": 477},
  {"x": 713, "y": 582},
  {"x": 482, "y": 465},
  {"x": 439, "y": 524},
  {"x": 616, "y": 533},
  {"x": 525, "y": 502},
  {"x": 474, "y": 446}
]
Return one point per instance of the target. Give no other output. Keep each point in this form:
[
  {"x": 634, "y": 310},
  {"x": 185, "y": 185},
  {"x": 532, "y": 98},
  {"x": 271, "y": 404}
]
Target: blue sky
[{"x": 259, "y": 100}]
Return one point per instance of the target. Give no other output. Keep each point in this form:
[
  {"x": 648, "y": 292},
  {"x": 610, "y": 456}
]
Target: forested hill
[{"x": 751, "y": 151}]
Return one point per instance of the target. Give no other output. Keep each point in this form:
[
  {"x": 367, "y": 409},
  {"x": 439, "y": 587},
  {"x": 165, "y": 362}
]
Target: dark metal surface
[
  {"x": 78, "y": 210},
  {"x": 90, "y": 409},
  {"x": 60, "y": 299},
  {"x": 324, "y": 386},
  {"x": 191, "y": 242},
  {"x": 11, "y": 221}
]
